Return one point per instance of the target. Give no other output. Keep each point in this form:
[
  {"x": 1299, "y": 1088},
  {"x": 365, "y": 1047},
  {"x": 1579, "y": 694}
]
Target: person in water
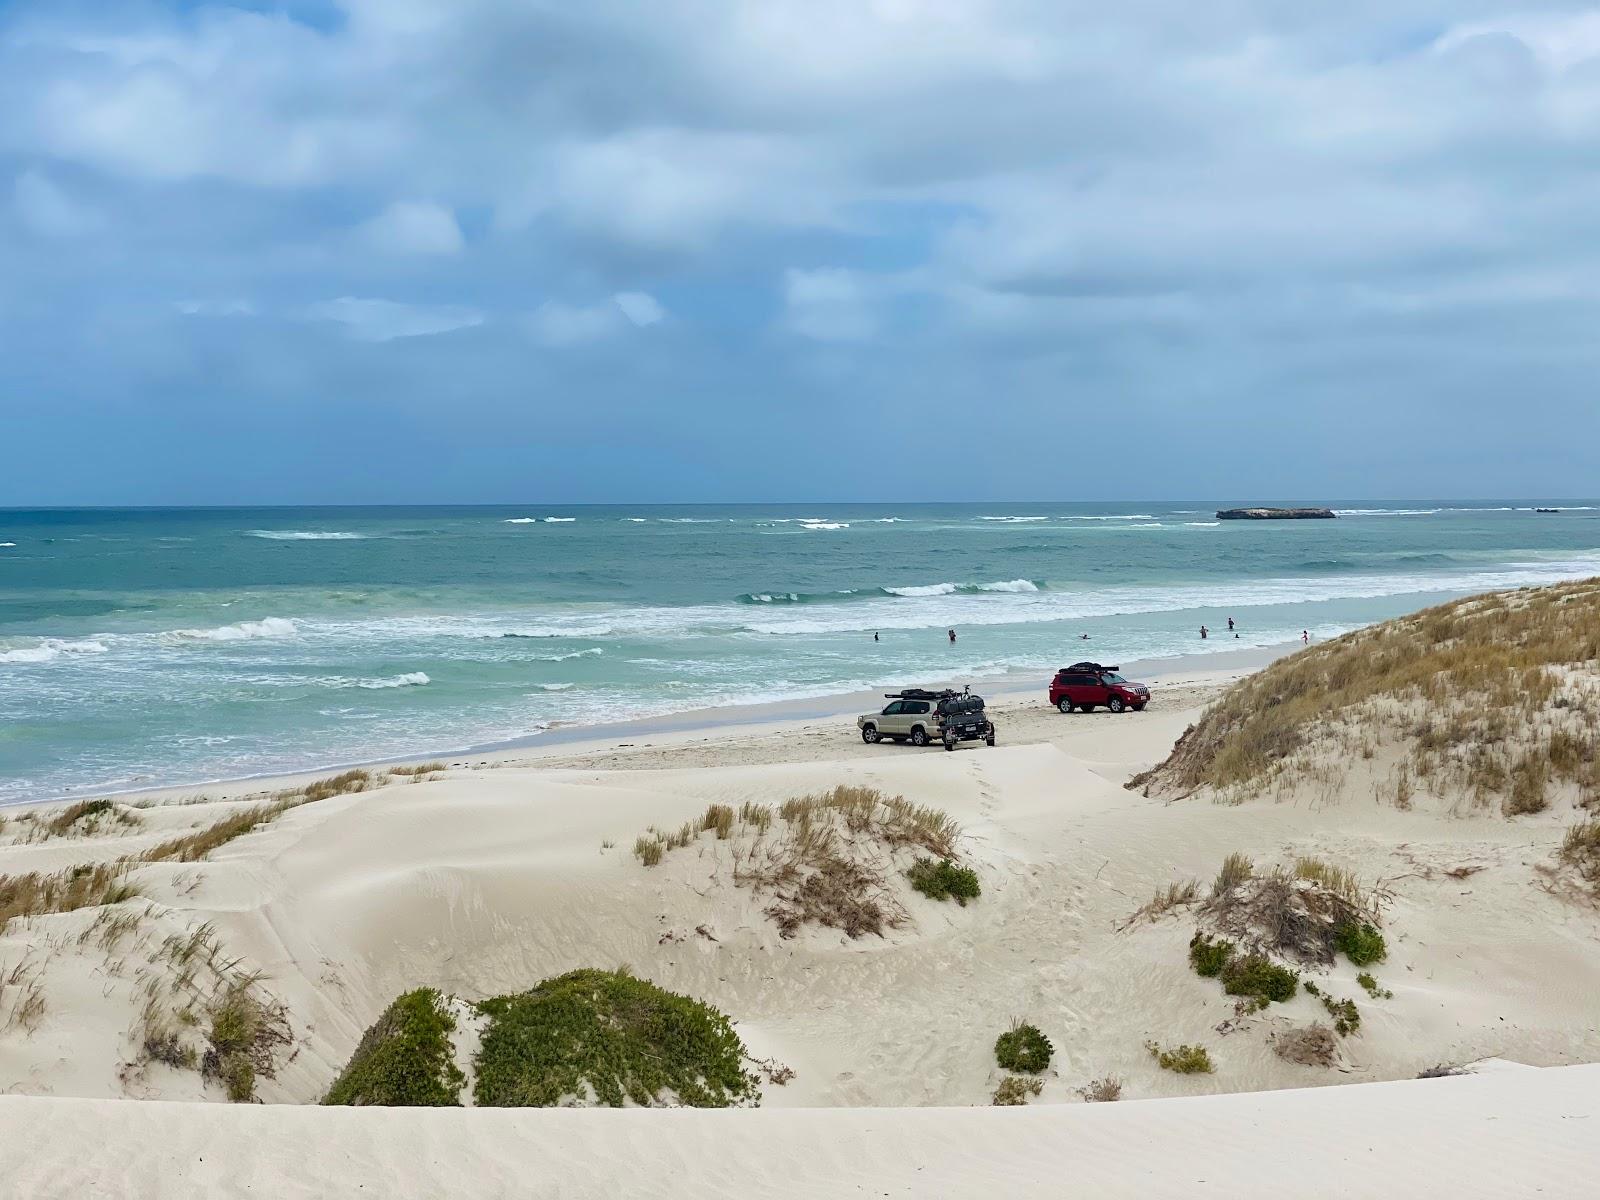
[
  {"x": 952, "y": 633},
  {"x": 1203, "y": 633},
  {"x": 874, "y": 635},
  {"x": 1230, "y": 624}
]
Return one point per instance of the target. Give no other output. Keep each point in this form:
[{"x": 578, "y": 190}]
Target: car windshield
[{"x": 1112, "y": 677}]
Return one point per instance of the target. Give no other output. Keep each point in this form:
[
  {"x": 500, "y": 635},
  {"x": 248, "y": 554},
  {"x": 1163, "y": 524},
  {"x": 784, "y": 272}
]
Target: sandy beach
[{"x": 484, "y": 876}]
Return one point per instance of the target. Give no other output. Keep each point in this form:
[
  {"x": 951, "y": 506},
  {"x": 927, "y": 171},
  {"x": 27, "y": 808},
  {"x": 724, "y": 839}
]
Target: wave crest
[
  {"x": 304, "y": 535},
  {"x": 267, "y": 627},
  {"x": 50, "y": 649}
]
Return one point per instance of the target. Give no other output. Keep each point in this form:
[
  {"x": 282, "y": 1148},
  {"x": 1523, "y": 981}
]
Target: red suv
[{"x": 1085, "y": 686}]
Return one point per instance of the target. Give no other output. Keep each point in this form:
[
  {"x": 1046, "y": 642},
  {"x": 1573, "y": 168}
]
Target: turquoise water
[{"x": 141, "y": 647}]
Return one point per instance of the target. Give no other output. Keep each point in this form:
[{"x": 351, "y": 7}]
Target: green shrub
[
  {"x": 1258, "y": 976},
  {"x": 1346, "y": 1017},
  {"x": 1361, "y": 943},
  {"x": 1209, "y": 957},
  {"x": 405, "y": 1059},
  {"x": 1023, "y": 1048},
  {"x": 607, "y": 1031},
  {"x": 1372, "y": 989},
  {"x": 1185, "y": 1059},
  {"x": 944, "y": 880}
]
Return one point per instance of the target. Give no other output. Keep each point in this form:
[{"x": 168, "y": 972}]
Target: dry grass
[
  {"x": 42, "y": 893},
  {"x": 199, "y": 843},
  {"x": 1504, "y": 683},
  {"x": 1014, "y": 1090},
  {"x": 1236, "y": 868},
  {"x": 1102, "y": 1091},
  {"x": 1294, "y": 915},
  {"x": 1580, "y": 852},
  {"x": 22, "y": 1002},
  {"x": 420, "y": 770},
  {"x": 822, "y": 859},
  {"x": 87, "y": 818},
  {"x": 1308, "y": 1045},
  {"x": 1168, "y": 899}
]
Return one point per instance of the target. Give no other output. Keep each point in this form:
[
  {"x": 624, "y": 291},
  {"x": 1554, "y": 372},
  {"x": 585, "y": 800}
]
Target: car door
[
  {"x": 892, "y": 721},
  {"x": 917, "y": 713}
]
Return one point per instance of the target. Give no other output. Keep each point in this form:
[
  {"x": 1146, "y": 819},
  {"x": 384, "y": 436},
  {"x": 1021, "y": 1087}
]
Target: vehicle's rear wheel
[
  {"x": 1065, "y": 705},
  {"x": 949, "y": 741},
  {"x": 1115, "y": 704},
  {"x": 869, "y": 734},
  {"x": 919, "y": 736},
  {"x": 989, "y": 737}
]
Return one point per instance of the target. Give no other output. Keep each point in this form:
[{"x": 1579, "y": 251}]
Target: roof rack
[
  {"x": 1088, "y": 666},
  {"x": 921, "y": 694}
]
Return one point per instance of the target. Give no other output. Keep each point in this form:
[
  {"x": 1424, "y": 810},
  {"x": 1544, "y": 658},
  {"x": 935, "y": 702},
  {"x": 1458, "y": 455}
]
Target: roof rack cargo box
[{"x": 1093, "y": 667}]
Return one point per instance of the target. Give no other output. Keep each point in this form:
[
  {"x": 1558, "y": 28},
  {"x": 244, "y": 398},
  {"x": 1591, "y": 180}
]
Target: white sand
[{"x": 491, "y": 879}]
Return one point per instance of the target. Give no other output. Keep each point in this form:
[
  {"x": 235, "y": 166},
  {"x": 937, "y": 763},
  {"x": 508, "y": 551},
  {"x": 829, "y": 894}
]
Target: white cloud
[
  {"x": 413, "y": 227},
  {"x": 639, "y": 307},
  {"x": 48, "y": 210},
  {"x": 829, "y": 305},
  {"x": 554, "y": 323},
  {"x": 385, "y": 320},
  {"x": 216, "y": 308}
]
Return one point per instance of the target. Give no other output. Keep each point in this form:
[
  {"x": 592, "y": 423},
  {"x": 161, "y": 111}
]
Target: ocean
[{"x": 144, "y": 647}]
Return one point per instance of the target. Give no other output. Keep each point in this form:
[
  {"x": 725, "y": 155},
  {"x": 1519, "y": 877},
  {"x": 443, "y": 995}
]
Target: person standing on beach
[{"x": 1305, "y": 637}]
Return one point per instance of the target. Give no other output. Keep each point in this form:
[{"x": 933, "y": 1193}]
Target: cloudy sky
[{"x": 495, "y": 250}]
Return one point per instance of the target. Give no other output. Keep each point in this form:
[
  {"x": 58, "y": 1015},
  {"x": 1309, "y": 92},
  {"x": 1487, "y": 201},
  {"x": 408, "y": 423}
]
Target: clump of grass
[
  {"x": 1338, "y": 880},
  {"x": 1370, "y": 986},
  {"x": 1360, "y": 942},
  {"x": 1307, "y": 1045},
  {"x": 1102, "y": 1091},
  {"x": 341, "y": 784},
  {"x": 608, "y": 1035},
  {"x": 1580, "y": 851},
  {"x": 1023, "y": 1048},
  {"x": 1184, "y": 1059},
  {"x": 1346, "y": 1017},
  {"x": 1258, "y": 977},
  {"x": 419, "y": 770},
  {"x": 1208, "y": 957},
  {"x": 1236, "y": 868},
  {"x": 649, "y": 849},
  {"x": 718, "y": 817},
  {"x": 86, "y": 817},
  {"x": 405, "y": 1059},
  {"x": 1168, "y": 899},
  {"x": 1015, "y": 1090},
  {"x": 246, "y": 1033},
  {"x": 944, "y": 880},
  {"x": 43, "y": 893}
]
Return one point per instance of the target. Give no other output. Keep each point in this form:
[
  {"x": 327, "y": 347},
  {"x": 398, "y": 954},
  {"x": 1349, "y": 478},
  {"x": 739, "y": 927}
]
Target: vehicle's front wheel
[
  {"x": 919, "y": 736},
  {"x": 1064, "y": 705},
  {"x": 869, "y": 734},
  {"x": 1115, "y": 704}
]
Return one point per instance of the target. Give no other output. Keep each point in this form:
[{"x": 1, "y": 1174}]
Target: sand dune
[{"x": 485, "y": 881}]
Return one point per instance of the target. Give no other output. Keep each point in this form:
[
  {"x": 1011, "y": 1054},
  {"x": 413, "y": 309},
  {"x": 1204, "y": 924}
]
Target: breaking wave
[
  {"x": 304, "y": 535},
  {"x": 409, "y": 679},
  {"x": 878, "y": 593},
  {"x": 50, "y": 649},
  {"x": 269, "y": 627}
]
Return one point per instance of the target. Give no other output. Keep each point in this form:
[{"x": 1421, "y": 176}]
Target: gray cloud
[{"x": 1388, "y": 207}]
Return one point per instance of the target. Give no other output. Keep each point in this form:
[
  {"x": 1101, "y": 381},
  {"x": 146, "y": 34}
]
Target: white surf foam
[
  {"x": 824, "y": 525},
  {"x": 1110, "y": 517},
  {"x": 553, "y": 687},
  {"x": 304, "y": 535},
  {"x": 50, "y": 649},
  {"x": 591, "y": 652},
  {"x": 409, "y": 679},
  {"x": 268, "y": 627},
  {"x": 1013, "y": 520}
]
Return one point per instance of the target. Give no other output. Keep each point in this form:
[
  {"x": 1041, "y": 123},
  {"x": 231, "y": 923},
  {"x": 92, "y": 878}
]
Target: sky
[{"x": 388, "y": 251}]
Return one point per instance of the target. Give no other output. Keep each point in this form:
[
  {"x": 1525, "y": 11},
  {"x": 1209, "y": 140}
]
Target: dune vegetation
[{"x": 1493, "y": 699}]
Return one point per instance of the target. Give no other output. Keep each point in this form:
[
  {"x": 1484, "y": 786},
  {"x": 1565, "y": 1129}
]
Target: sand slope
[{"x": 1509, "y": 1133}]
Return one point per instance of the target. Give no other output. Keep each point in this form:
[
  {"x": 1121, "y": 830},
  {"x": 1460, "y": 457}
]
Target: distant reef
[{"x": 1275, "y": 514}]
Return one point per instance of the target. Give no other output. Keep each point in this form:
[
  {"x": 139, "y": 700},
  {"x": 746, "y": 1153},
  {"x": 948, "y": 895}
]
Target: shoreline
[{"x": 702, "y": 724}]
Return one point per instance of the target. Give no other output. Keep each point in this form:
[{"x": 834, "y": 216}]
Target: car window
[
  {"x": 1113, "y": 677},
  {"x": 894, "y": 707},
  {"x": 1082, "y": 680},
  {"x": 919, "y": 707}
]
